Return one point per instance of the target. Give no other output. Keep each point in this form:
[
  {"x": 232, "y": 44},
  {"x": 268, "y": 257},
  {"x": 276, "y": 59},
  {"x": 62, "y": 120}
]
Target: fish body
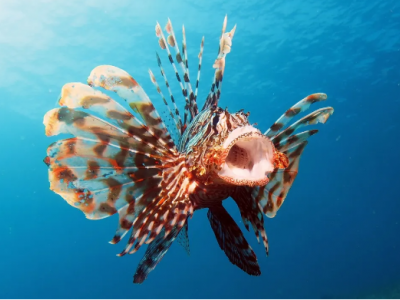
[{"x": 125, "y": 161}]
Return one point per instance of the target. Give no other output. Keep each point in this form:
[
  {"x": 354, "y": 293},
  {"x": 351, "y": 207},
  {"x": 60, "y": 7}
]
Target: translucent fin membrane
[
  {"x": 183, "y": 238},
  {"x": 117, "y": 80},
  {"x": 174, "y": 117},
  {"x": 117, "y": 162},
  {"x": 176, "y": 110}
]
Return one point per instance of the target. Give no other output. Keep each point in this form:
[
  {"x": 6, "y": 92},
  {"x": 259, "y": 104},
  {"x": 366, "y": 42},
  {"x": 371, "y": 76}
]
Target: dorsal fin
[
  {"x": 169, "y": 91},
  {"x": 175, "y": 117},
  {"x": 225, "y": 44},
  {"x": 184, "y": 64},
  {"x": 164, "y": 45},
  {"x": 199, "y": 69}
]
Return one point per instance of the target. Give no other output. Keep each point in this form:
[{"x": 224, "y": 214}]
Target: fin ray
[
  {"x": 199, "y": 67},
  {"x": 154, "y": 253},
  {"x": 231, "y": 240},
  {"x": 318, "y": 116},
  {"x": 119, "y": 81},
  {"x": 299, "y": 107},
  {"x": 78, "y": 95},
  {"x": 95, "y": 183},
  {"x": 251, "y": 213},
  {"x": 225, "y": 44},
  {"x": 87, "y": 126},
  {"x": 271, "y": 197},
  {"x": 183, "y": 238},
  {"x": 182, "y": 61},
  {"x": 164, "y": 46}
]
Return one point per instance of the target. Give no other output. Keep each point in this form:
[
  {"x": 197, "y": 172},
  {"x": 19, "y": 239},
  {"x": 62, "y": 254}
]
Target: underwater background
[{"x": 337, "y": 234}]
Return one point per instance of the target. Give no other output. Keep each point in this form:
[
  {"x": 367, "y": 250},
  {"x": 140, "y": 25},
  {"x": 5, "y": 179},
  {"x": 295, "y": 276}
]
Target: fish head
[{"x": 238, "y": 153}]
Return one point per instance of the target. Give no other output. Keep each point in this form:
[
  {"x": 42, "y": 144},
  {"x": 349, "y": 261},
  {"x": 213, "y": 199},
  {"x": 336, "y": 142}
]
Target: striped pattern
[
  {"x": 271, "y": 197},
  {"x": 299, "y": 107},
  {"x": 250, "y": 213},
  {"x": 154, "y": 253},
  {"x": 177, "y": 121},
  {"x": 319, "y": 116},
  {"x": 196, "y": 130},
  {"x": 78, "y": 95},
  {"x": 164, "y": 46},
  {"x": 115, "y": 163},
  {"x": 231, "y": 240},
  {"x": 168, "y": 210},
  {"x": 225, "y": 44},
  {"x": 119, "y": 81},
  {"x": 184, "y": 64},
  {"x": 124, "y": 161},
  {"x": 176, "y": 110},
  {"x": 199, "y": 68}
]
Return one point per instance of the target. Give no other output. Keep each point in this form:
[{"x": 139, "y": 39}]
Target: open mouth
[{"x": 249, "y": 157}]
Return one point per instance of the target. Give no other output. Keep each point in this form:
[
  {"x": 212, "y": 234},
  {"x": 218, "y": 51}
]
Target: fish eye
[{"x": 215, "y": 120}]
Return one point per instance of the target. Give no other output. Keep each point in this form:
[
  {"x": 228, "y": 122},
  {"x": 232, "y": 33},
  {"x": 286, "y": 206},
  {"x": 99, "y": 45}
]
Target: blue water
[{"x": 337, "y": 234}]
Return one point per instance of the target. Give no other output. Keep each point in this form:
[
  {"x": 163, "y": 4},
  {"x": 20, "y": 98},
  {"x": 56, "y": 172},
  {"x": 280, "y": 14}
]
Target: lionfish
[{"x": 125, "y": 161}]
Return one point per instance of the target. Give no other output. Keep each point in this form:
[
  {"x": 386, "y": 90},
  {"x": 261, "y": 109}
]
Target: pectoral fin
[{"x": 231, "y": 240}]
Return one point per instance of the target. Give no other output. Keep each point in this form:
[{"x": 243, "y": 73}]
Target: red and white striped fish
[{"x": 124, "y": 161}]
